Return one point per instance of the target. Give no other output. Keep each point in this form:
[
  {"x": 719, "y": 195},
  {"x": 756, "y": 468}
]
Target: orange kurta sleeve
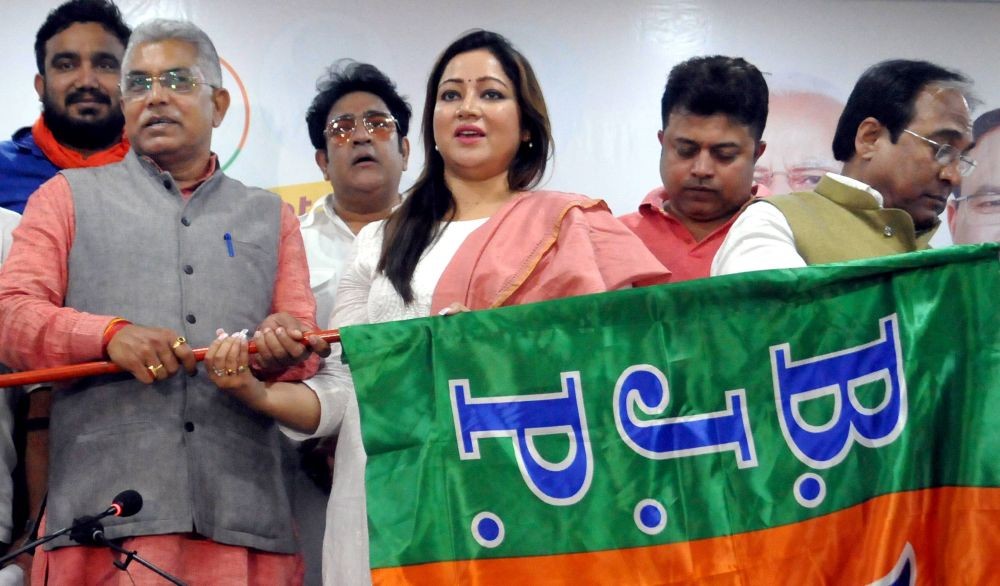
[
  {"x": 36, "y": 331},
  {"x": 292, "y": 294}
]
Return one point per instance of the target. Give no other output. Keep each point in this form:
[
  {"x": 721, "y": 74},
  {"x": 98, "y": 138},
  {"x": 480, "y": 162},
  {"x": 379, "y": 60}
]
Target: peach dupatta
[{"x": 544, "y": 245}]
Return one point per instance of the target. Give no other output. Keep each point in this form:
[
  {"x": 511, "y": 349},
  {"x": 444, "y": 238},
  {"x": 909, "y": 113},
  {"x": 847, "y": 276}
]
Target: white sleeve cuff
[{"x": 334, "y": 388}]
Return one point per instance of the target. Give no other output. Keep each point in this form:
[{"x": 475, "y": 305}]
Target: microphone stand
[
  {"x": 131, "y": 556},
  {"x": 31, "y": 545},
  {"x": 92, "y": 533}
]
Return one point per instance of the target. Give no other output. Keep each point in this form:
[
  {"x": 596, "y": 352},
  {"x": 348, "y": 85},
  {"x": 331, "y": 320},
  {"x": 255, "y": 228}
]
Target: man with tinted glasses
[
  {"x": 713, "y": 112},
  {"x": 975, "y": 215},
  {"x": 358, "y": 125},
  {"x": 137, "y": 262},
  {"x": 78, "y": 50},
  {"x": 903, "y": 138}
]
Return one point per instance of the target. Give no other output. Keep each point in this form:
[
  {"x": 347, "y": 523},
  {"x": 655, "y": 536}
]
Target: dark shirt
[{"x": 23, "y": 168}]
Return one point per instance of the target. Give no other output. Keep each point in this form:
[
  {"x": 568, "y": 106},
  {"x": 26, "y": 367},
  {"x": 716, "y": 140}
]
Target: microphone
[
  {"x": 89, "y": 530},
  {"x": 125, "y": 504}
]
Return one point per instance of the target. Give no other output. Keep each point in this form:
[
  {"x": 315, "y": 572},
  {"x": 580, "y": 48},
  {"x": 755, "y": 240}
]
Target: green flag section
[{"x": 835, "y": 424}]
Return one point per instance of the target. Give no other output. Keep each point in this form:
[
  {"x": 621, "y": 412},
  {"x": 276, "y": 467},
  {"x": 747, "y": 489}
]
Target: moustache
[{"x": 88, "y": 96}]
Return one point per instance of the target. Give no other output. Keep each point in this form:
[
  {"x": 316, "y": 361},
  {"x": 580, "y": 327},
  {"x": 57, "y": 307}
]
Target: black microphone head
[{"x": 127, "y": 503}]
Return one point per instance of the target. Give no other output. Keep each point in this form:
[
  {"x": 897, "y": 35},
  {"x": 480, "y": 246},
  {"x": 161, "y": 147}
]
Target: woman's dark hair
[{"x": 412, "y": 227}]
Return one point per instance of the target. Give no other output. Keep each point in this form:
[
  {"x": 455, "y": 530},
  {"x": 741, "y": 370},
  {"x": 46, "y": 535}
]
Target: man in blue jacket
[{"x": 78, "y": 50}]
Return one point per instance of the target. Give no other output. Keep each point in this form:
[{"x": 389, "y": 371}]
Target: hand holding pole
[{"x": 73, "y": 371}]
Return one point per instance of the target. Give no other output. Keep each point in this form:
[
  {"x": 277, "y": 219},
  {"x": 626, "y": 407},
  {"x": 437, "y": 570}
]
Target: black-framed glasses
[
  {"x": 947, "y": 154},
  {"x": 181, "y": 81},
  {"x": 378, "y": 124}
]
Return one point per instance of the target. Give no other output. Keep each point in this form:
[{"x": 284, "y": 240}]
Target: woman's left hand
[{"x": 227, "y": 363}]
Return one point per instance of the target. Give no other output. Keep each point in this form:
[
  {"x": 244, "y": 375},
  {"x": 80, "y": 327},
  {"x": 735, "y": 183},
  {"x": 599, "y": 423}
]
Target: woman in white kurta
[
  {"x": 364, "y": 296},
  {"x": 487, "y": 141}
]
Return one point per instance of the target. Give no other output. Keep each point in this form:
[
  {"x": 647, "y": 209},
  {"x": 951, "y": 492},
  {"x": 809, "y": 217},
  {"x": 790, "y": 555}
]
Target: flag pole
[{"x": 61, "y": 373}]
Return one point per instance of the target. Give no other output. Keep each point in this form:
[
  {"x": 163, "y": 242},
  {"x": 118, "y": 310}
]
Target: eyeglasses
[
  {"x": 180, "y": 81},
  {"x": 947, "y": 154},
  {"x": 378, "y": 124},
  {"x": 980, "y": 209},
  {"x": 991, "y": 198}
]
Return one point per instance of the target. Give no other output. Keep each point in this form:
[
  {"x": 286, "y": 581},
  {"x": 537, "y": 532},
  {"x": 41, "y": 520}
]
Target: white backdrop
[{"x": 602, "y": 65}]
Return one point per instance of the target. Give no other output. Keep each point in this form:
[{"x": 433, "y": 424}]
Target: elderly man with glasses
[
  {"x": 903, "y": 138},
  {"x": 137, "y": 262}
]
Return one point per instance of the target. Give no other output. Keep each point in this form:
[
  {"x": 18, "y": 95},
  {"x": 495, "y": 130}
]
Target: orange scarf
[{"x": 66, "y": 158}]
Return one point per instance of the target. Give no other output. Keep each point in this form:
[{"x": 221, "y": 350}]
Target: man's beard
[{"x": 88, "y": 135}]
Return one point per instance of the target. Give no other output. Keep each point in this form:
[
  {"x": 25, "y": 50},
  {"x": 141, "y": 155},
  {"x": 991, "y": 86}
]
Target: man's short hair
[
  {"x": 986, "y": 122},
  {"x": 103, "y": 12},
  {"x": 705, "y": 86},
  {"x": 347, "y": 76},
  {"x": 161, "y": 29},
  {"x": 887, "y": 92}
]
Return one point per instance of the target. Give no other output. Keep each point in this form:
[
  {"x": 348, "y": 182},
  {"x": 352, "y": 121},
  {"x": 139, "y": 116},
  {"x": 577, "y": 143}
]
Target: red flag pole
[{"x": 60, "y": 373}]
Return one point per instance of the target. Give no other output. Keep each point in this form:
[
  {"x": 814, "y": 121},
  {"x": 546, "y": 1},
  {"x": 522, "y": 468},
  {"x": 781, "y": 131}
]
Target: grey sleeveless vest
[{"x": 202, "y": 461}]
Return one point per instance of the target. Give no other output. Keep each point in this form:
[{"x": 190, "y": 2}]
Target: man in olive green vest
[{"x": 903, "y": 138}]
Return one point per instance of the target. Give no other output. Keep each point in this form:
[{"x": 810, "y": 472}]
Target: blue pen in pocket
[{"x": 229, "y": 244}]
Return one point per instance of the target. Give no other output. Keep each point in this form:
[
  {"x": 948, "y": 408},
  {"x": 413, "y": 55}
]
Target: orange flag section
[{"x": 954, "y": 534}]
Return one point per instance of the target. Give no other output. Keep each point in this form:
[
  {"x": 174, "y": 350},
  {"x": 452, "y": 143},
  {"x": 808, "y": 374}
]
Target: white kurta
[
  {"x": 328, "y": 242},
  {"x": 365, "y": 296}
]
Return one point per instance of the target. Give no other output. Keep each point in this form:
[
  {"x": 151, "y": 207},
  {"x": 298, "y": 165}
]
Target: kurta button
[
  {"x": 188, "y": 269},
  {"x": 888, "y": 231},
  {"x": 188, "y": 426},
  {"x": 190, "y": 318},
  {"x": 166, "y": 183},
  {"x": 185, "y": 221}
]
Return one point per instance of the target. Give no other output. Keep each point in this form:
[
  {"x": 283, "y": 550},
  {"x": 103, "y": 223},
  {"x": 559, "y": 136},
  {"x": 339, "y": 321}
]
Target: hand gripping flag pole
[{"x": 72, "y": 371}]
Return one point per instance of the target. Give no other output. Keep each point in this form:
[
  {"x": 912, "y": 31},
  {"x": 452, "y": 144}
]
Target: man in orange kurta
[{"x": 713, "y": 110}]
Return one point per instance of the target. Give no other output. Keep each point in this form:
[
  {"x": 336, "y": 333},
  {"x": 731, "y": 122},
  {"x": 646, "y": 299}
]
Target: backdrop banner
[{"x": 834, "y": 424}]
